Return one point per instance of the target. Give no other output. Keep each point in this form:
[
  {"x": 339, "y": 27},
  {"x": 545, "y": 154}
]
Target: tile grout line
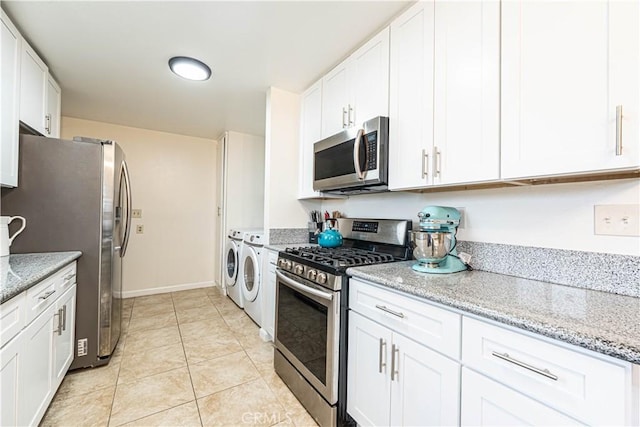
[
  {"x": 115, "y": 389},
  {"x": 195, "y": 396}
]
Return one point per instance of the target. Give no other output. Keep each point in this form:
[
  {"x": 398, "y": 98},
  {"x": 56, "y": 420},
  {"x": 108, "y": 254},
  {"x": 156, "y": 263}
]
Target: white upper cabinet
[
  {"x": 466, "y": 118},
  {"x": 52, "y": 116},
  {"x": 10, "y": 85},
  {"x": 358, "y": 88},
  {"x": 310, "y": 132},
  {"x": 335, "y": 100},
  {"x": 33, "y": 89},
  {"x": 369, "y": 77},
  {"x": 570, "y": 87},
  {"x": 444, "y": 94},
  {"x": 411, "y": 97}
]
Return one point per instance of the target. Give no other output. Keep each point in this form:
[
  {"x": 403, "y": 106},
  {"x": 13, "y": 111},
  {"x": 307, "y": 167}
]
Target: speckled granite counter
[
  {"x": 25, "y": 270},
  {"x": 599, "y": 321}
]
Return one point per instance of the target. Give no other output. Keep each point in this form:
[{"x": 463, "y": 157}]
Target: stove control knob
[
  {"x": 298, "y": 269},
  {"x": 311, "y": 274},
  {"x": 322, "y": 278},
  {"x": 287, "y": 265},
  {"x": 281, "y": 262}
]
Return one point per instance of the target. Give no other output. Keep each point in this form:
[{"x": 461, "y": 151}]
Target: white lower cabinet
[
  {"x": 9, "y": 366},
  {"x": 35, "y": 359},
  {"x": 488, "y": 403},
  {"x": 412, "y": 362},
  {"x": 64, "y": 335},
  {"x": 406, "y": 384},
  {"x": 35, "y": 376}
]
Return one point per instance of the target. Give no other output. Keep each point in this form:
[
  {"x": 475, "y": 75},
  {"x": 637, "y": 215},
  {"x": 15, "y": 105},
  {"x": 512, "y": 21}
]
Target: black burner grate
[{"x": 339, "y": 257}]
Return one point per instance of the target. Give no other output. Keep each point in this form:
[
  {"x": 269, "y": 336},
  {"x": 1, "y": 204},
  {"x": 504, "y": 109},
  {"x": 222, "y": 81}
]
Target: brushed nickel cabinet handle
[
  {"x": 437, "y": 162},
  {"x": 58, "y": 329},
  {"x": 46, "y": 295},
  {"x": 619, "y": 130},
  {"x": 47, "y": 125},
  {"x": 344, "y": 119},
  {"x": 64, "y": 317},
  {"x": 394, "y": 370},
  {"x": 350, "y": 121},
  {"x": 425, "y": 164},
  {"x": 388, "y": 310},
  {"x": 381, "y": 364},
  {"x": 69, "y": 277},
  {"x": 507, "y": 358}
]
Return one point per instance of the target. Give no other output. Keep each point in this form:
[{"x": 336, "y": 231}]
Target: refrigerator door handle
[{"x": 127, "y": 230}]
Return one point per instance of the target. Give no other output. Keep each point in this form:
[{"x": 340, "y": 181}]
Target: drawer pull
[
  {"x": 507, "y": 358},
  {"x": 69, "y": 277},
  {"x": 46, "y": 295},
  {"x": 381, "y": 364},
  {"x": 388, "y": 310}
]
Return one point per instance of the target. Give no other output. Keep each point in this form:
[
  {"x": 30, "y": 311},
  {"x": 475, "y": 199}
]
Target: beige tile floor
[{"x": 190, "y": 358}]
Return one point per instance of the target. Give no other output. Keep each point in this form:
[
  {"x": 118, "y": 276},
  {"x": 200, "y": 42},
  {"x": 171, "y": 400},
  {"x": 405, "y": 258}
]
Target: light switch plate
[
  {"x": 617, "y": 220},
  {"x": 136, "y": 213}
]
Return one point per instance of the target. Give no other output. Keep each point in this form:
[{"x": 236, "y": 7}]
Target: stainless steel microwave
[{"x": 354, "y": 160}]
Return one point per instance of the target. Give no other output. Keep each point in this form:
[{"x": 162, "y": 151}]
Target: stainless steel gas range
[{"x": 311, "y": 311}]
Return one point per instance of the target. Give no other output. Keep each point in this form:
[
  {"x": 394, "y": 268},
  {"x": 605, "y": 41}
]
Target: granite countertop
[
  {"x": 600, "y": 321},
  {"x": 19, "y": 272}
]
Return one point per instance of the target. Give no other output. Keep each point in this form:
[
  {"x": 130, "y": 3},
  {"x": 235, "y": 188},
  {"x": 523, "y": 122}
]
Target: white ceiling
[{"x": 111, "y": 57}]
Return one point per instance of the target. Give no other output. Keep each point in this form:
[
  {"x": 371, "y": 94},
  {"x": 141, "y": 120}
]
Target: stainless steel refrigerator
[{"x": 76, "y": 195}]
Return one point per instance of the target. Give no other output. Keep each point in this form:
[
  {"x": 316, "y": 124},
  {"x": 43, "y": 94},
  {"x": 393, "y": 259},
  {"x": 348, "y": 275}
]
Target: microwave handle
[{"x": 356, "y": 154}]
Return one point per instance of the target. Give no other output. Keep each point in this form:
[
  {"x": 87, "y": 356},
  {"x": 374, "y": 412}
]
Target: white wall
[
  {"x": 282, "y": 209},
  {"x": 553, "y": 216},
  {"x": 173, "y": 180}
]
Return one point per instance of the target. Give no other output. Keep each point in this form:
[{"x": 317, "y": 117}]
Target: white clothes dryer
[
  {"x": 251, "y": 272},
  {"x": 231, "y": 265}
]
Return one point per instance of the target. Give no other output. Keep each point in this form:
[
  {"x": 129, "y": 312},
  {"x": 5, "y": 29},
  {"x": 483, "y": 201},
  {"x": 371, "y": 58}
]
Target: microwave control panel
[{"x": 372, "y": 151}]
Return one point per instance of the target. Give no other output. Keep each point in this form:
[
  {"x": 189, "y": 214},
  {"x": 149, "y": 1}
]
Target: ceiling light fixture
[{"x": 189, "y": 68}]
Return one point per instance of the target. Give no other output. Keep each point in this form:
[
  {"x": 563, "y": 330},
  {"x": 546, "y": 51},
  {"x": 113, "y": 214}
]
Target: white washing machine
[
  {"x": 231, "y": 265},
  {"x": 251, "y": 272}
]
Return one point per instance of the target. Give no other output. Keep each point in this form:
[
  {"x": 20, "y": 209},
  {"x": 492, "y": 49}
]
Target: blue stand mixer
[{"x": 434, "y": 246}]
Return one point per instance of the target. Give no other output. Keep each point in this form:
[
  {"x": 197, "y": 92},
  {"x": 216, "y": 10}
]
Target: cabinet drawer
[
  {"x": 41, "y": 296},
  {"x": 586, "y": 387},
  {"x": 12, "y": 318},
  {"x": 427, "y": 324},
  {"x": 65, "y": 278}
]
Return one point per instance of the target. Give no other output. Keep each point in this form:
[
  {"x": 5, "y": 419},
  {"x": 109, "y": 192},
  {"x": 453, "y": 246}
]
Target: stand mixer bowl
[{"x": 430, "y": 247}]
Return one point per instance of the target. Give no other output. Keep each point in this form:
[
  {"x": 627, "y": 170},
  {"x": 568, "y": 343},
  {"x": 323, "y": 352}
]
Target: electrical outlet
[
  {"x": 617, "y": 220},
  {"x": 139, "y": 229},
  {"x": 463, "y": 215},
  {"x": 82, "y": 347},
  {"x": 136, "y": 213}
]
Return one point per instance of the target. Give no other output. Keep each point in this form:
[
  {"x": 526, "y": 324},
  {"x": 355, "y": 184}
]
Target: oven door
[{"x": 307, "y": 331}]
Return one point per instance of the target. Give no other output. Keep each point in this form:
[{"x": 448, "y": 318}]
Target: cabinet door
[
  {"x": 488, "y": 403},
  {"x": 425, "y": 389},
  {"x": 64, "y": 323},
  {"x": 335, "y": 100},
  {"x": 36, "y": 368},
  {"x": 52, "y": 117},
  {"x": 369, "y": 74},
  {"x": 10, "y": 365},
  {"x": 368, "y": 371},
  {"x": 466, "y": 91},
  {"x": 9, "y": 85},
  {"x": 565, "y": 67},
  {"x": 33, "y": 86},
  {"x": 310, "y": 133},
  {"x": 411, "y": 97}
]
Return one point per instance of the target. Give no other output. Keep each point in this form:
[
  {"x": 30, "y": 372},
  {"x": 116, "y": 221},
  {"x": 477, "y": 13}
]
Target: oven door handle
[{"x": 305, "y": 289}]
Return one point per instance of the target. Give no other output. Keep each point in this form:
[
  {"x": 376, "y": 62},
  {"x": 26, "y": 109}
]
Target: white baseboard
[{"x": 165, "y": 289}]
